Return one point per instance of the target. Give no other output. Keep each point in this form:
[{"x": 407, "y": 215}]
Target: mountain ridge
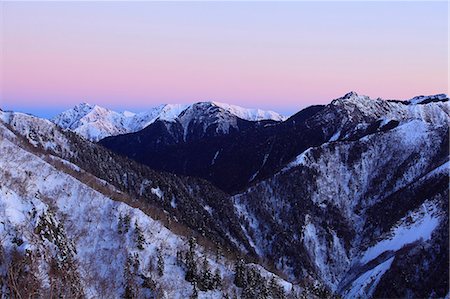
[
  {"x": 94, "y": 122},
  {"x": 253, "y": 153}
]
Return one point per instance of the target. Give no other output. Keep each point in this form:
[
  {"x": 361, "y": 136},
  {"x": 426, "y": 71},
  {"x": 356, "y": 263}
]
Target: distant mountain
[{"x": 94, "y": 122}]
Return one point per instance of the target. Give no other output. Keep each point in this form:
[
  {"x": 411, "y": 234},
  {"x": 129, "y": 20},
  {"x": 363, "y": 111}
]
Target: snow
[
  {"x": 90, "y": 222},
  {"x": 157, "y": 191},
  {"x": 12, "y": 207},
  {"x": 412, "y": 132},
  {"x": 345, "y": 182},
  {"x": 95, "y": 122},
  {"x": 170, "y": 112},
  {"x": 335, "y": 136},
  {"x": 243, "y": 212},
  {"x": 215, "y": 157},
  {"x": 208, "y": 209},
  {"x": 128, "y": 114},
  {"x": 173, "y": 203},
  {"x": 424, "y": 222},
  {"x": 262, "y": 165},
  {"x": 420, "y": 99},
  {"x": 302, "y": 159},
  {"x": 250, "y": 113},
  {"x": 365, "y": 284}
]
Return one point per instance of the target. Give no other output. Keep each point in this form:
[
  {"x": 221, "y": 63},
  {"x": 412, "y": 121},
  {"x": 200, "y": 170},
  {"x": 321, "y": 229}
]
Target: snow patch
[
  {"x": 158, "y": 192},
  {"x": 424, "y": 221},
  {"x": 365, "y": 284},
  {"x": 302, "y": 159}
]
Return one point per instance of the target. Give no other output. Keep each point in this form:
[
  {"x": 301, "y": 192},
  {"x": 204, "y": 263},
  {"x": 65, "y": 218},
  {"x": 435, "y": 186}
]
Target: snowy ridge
[
  {"x": 250, "y": 114},
  {"x": 352, "y": 113},
  {"x": 432, "y": 98},
  {"x": 431, "y": 112},
  {"x": 94, "y": 122}
]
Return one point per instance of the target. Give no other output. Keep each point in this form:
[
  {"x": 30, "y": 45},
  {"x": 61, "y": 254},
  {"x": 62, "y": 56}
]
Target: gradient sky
[{"x": 274, "y": 55}]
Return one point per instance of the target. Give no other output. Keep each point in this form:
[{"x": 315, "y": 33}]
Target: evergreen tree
[
  {"x": 255, "y": 285},
  {"x": 219, "y": 254},
  {"x": 179, "y": 258},
  {"x": 194, "y": 294},
  {"x": 136, "y": 262},
  {"x": 148, "y": 282},
  {"x": 120, "y": 224},
  {"x": 160, "y": 263},
  {"x": 138, "y": 236},
  {"x": 275, "y": 290},
  {"x": 126, "y": 223},
  {"x": 217, "y": 280},
  {"x": 239, "y": 273},
  {"x": 191, "y": 265},
  {"x": 130, "y": 288},
  {"x": 206, "y": 278}
]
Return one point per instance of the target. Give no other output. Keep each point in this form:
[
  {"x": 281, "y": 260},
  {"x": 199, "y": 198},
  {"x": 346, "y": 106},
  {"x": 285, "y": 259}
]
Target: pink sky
[{"x": 281, "y": 56}]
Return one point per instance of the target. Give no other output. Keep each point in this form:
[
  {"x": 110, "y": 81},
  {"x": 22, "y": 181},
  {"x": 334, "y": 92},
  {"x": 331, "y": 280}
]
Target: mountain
[
  {"x": 348, "y": 199},
  {"x": 354, "y": 193},
  {"x": 95, "y": 122},
  {"x": 235, "y": 161},
  {"x": 369, "y": 215},
  {"x": 69, "y": 233}
]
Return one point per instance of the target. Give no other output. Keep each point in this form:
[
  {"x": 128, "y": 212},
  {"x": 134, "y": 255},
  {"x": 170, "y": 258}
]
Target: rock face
[
  {"x": 350, "y": 198},
  {"x": 94, "y": 122}
]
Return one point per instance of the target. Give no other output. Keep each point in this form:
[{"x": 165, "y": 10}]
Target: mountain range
[
  {"x": 94, "y": 122},
  {"x": 348, "y": 199}
]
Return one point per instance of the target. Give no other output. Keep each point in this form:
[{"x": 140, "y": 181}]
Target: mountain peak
[
  {"x": 350, "y": 95},
  {"x": 83, "y": 106}
]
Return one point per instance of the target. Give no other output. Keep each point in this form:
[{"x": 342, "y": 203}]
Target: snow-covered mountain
[
  {"x": 358, "y": 187},
  {"x": 347, "y": 199},
  {"x": 95, "y": 122},
  {"x": 257, "y": 152},
  {"x": 67, "y": 233}
]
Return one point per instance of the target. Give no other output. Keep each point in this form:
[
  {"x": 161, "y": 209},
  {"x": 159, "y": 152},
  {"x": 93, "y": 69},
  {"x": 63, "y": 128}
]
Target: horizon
[
  {"x": 47, "y": 113},
  {"x": 279, "y": 56}
]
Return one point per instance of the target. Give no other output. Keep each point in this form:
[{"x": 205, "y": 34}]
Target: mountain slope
[
  {"x": 67, "y": 233},
  {"x": 95, "y": 122},
  {"x": 184, "y": 198},
  {"x": 363, "y": 210}
]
